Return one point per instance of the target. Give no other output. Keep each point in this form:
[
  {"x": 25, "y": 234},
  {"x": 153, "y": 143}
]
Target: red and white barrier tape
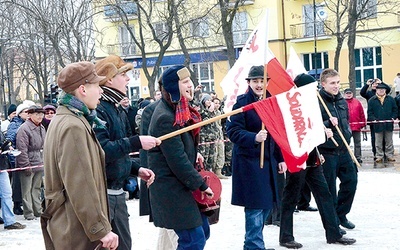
[
  {"x": 20, "y": 169},
  {"x": 372, "y": 122}
]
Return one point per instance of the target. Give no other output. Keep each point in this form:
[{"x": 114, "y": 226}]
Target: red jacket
[{"x": 356, "y": 113}]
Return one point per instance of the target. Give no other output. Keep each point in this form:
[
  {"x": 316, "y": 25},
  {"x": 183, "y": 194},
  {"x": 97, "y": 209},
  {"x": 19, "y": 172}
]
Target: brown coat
[{"x": 75, "y": 170}]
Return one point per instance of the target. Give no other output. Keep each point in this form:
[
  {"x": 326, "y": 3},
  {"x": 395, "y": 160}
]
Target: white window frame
[
  {"x": 374, "y": 67},
  {"x": 207, "y": 81},
  {"x": 127, "y": 45},
  {"x": 199, "y": 27},
  {"x": 161, "y": 29}
]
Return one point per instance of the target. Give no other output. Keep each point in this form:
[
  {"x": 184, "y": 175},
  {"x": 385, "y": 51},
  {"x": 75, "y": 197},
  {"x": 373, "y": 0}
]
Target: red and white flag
[
  {"x": 255, "y": 52},
  {"x": 294, "y": 120},
  {"x": 295, "y": 66}
]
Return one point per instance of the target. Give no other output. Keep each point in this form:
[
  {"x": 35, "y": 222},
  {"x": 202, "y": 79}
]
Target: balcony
[
  {"x": 123, "y": 49},
  {"x": 113, "y": 12},
  {"x": 304, "y": 32},
  {"x": 231, "y": 3}
]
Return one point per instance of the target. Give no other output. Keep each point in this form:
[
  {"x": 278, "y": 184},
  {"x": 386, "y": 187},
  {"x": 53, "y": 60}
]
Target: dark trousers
[
  {"x": 314, "y": 177},
  {"x": 341, "y": 166},
  {"x": 194, "y": 238},
  {"x": 16, "y": 185},
  {"x": 305, "y": 197},
  {"x": 120, "y": 220}
]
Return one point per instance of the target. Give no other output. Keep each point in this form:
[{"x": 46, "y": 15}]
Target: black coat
[
  {"x": 379, "y": 112},
  {"x": 116, "y": 144},
  {"x": 338, "y": 108},
  {"x": 171, "y": 199},
  {"x": 252, "y": 186},
  {"x": 144, "y": 206}
]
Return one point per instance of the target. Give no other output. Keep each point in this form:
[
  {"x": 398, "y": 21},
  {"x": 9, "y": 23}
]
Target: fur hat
[
  {"x": 12, "y": 108},
  {"x": 170, "y": 81},
  {"x": 303, "y": 79},
  {"x": 76, "y": 74},
  {"x": 111, "y": 66},
  {"x": 256, "y": 72}
]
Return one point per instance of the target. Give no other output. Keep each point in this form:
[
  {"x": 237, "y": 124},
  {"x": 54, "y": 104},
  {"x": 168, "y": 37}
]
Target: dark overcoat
[
  {"x": 380, "y": 112},
  {"x": 171, "y": 199},
  {"x": 252, "y": 186}
]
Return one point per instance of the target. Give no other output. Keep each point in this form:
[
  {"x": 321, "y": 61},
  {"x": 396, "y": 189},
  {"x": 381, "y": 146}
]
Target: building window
[
  {"x": 367, "y": 9},
  {"x": 161, "y": 29},
  {"x": 199, "y": 27},
  {"x": 127, "y": 45},
  {"x": 239, "y": 28},
  {"x": 368, "y": 64},
  {"x": 204, "y": 73},
  {"x": 309, "y": 61}
]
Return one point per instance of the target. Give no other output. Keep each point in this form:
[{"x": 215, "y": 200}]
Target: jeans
[
  {"x": 194, "y": 238},
  {"x": 6, "y": 200},
  {"x": 254, "y": 228}
]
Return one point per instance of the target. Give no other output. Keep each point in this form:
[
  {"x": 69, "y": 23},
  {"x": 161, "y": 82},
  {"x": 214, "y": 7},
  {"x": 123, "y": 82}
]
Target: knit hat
[
  {"x": 111, "y": 66},
  {"x": 24, "y": 105},
  {"x": 303, "y": 79},
  {"x": 76, "y": 74},
  {"x": 256, "y": 72},
  {"x": 11, "y": 109},
  {"x": 204, "y": 98},
  {"x": 170, "y": 80}
]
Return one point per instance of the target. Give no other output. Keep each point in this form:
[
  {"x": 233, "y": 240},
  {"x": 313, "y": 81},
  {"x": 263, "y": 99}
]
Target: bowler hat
[
  {"x": 170, "y": 80},
  {"x": 303, "y": 79},
  {"x": 256, "y": 72},
  {"x": 76, "y": 74}
]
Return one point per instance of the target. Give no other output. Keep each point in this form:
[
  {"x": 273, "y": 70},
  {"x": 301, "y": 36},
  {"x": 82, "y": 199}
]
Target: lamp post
[{"x": 315, "y": 39}]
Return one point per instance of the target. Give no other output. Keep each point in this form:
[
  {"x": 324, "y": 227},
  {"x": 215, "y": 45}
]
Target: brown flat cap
[
  {"x": 111, "y": 66},
  {"x": 76, "y": 74}
]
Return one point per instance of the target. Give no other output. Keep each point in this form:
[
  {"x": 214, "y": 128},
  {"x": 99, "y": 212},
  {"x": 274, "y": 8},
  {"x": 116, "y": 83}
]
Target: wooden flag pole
[
  {"x": 339, "y": 131},
  {"x": 202, "y": 123},
  {"x": 262, "y": 149}
]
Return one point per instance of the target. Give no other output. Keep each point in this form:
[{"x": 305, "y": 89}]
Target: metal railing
[{"x": 306, "y": 30}]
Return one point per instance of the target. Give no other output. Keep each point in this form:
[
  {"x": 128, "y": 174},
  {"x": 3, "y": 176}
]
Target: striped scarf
[{"x": 112, "y": 95}]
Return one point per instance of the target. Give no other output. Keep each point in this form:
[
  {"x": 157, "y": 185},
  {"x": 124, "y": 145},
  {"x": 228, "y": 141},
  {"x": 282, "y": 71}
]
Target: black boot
[{"x": 17, "y": 208}]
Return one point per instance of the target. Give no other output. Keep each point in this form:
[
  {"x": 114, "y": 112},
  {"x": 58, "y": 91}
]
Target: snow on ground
[{"x": 375, "y": 213}]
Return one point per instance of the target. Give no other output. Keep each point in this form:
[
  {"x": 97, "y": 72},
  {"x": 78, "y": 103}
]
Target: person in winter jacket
[{"x": 357, "y": 121}]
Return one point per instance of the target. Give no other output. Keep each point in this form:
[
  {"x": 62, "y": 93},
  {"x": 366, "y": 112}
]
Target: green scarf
[{"x": 77, "y": 107}]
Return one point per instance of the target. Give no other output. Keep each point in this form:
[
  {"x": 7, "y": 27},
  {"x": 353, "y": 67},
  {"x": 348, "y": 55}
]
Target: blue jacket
[
  {"x": 116, "y": 144},
  {"x": 252, "y": 186}
]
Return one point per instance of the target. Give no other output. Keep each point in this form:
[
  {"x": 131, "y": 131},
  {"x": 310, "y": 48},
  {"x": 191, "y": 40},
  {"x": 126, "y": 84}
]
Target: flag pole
[
  {"x": 202, "y": 123},
  {"x": 339, "y": 131},
  {"x": 262, "y": 149}
]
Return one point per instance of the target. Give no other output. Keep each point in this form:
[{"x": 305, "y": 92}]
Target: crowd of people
[{"x": 119, "y": 142}]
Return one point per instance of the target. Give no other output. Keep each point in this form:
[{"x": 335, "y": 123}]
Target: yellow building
[{"x": 291, "y": 24}]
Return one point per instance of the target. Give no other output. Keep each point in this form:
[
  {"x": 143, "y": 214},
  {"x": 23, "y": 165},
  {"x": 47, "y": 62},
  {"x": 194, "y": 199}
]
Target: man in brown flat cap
[
  {"x": 117, "y": 142},
  {"x": 74, "y": 161}
]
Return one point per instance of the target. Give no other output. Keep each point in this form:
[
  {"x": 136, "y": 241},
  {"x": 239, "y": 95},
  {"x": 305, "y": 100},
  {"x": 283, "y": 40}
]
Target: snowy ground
[{"x": 375, "y": 213}]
